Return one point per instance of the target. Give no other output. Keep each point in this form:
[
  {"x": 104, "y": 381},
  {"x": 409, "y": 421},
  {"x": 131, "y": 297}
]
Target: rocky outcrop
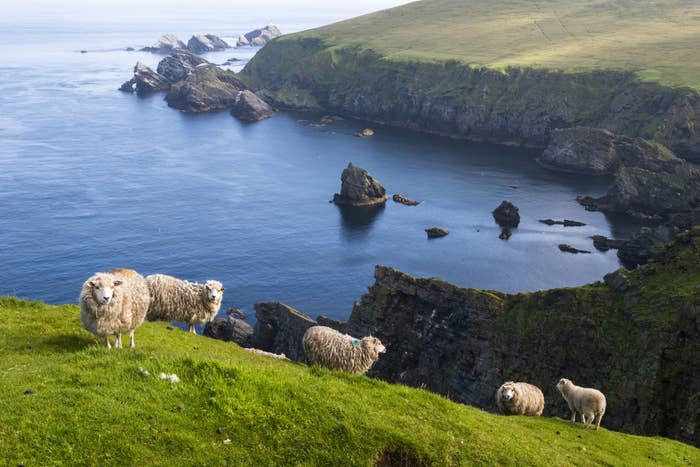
[
  {"x": 359, "y": 188},
  {"x": 507, "y": 215},
  {"x": 644, "y": 245},
  {"x": 401, "y": 199},
  {"x": 259, "y": 37},
  {"x": 231, "y": 330},
  {"x": 250, "y": 108},
  {"x": 145, "y": 81},
  {"x": 570, "y": 249},
  {"x": 565, "y": 222},
  {"x": 165, "y": 44},
  {"x": 603, "y": 243},
  {"x": 580, "y": 150},
  {"x": 179, "y": 65},
  {"x": 201, "y": 43},
  {"x": 279, "y": 329},
  {"x": 208, "y": 88},
  {"x": 437, "y": 232}
]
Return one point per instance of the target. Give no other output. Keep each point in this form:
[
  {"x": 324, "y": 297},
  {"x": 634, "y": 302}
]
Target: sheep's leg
[
  {"x": 573, "y": 416},
  {"x": 585, "y": 420},
  {"x": 118, "y": 341},
  {"x": 132, "y": 344},
  {"x": 109, "y": 346},
  {"x": 597, "y": 425},
  {"x": 192, "y": 329}
]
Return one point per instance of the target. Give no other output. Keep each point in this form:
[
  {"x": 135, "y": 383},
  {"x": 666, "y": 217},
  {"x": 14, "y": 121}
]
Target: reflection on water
[{"x": 359, "y": 220}]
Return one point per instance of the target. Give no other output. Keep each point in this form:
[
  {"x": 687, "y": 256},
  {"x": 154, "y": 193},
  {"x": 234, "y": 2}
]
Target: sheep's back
[
  {"x": 173, "y": 299},
  {"x": 327, "y": 347},
  {"x": 135, "y": 298}
]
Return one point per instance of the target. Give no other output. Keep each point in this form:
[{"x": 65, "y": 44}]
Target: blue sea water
[{"x": 92, "y": 178}]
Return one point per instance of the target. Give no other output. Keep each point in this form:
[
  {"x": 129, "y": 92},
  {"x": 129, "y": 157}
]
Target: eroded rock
[
  {"x": 507, "y": 215},
  {"x": 250, "y": 108},
  {"x": 359, "y": 188}
]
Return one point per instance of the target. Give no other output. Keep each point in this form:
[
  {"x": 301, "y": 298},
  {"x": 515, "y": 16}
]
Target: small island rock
[
  {"x": 165, "y": 44},
  {"x": 259, "y": 37},
  {"x": 200, "y": 43},
  {"x": 437, "y": 232},
  {"x": 145, "y": 81},
  {"x": 178, "y": 65},
  {"x": 506, "y": 215},
  {"x": 359, "y": 188},
  {"x": 569, "y": 249},
  {"x": 404, "y": 200},
  {"x": 250, "y": 108},
  {"x": 366, "y": 133}
]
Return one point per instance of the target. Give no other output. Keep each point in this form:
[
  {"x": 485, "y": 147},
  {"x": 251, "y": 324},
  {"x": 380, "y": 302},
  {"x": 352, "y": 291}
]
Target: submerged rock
[
  {"x": 250, "y": 108},
  {"x": 179, "y": 65},
  {"x": 404, "y": 200},
  {"x": 207, "y": 88},
  {"x": 359, "y": 188},
  {"x": 259, "y": 37},
  {"x": 507, "y": 215},
  {"x": 437, "y": 232},
  {"x": 505, "y": 234},
  {"x": 565, "y": 222},
  {"x": 569, "y": 249},
  {"x": 145, "y": 81},
  {"x": 165, "y": 44},
  {"x": 200, "y": 43}
]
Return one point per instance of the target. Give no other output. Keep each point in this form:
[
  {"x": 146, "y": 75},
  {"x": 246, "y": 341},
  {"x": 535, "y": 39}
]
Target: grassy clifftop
[
  {"x": 657, "y": 40},
  {"x": 67, "y": 400}
]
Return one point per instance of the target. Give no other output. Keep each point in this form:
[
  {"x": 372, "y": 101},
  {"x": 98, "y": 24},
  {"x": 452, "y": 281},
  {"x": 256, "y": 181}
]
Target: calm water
[{"x": 91, "y": 178}]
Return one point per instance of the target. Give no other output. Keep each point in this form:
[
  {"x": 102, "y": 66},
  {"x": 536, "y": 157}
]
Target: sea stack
[
  {"x": 359, "y": 188},
  {"x": 507, "y": 215}
]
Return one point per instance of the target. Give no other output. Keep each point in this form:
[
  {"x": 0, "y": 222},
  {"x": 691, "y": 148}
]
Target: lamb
[
  {"x": 520, "y": 399},
  {"x": 173, "y": 299},
  {"x": 590, "y": 403},
  {"x": 327, "y": 347},
  {"x": 114, "y": 302}
]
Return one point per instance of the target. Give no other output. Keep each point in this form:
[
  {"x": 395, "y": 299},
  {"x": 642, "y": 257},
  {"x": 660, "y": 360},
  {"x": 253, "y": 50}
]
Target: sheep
[
  {"x": 520, "y": 399},
  {"x": 327, "y": 347},
  {"x": 590, "y": 403},
  {"x": 173, "y": 299},
  {"x": 114, "y": 302}
]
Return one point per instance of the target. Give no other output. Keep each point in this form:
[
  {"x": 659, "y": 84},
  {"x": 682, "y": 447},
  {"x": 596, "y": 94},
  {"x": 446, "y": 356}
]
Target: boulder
[
  {"x": 259, "y": 37},
  {"x": 200, "y": 43},
  {"x": 207, "y": 88},
  {"x": 437, "y": 232},
  {"x": 165, "y": 44},
  {"x": 179, "y": 65},
  {"x": 359, "y": 188},
  {"x": 145, "y": 81},
  {"x": 506, "y": 215},
  {"x": 603, "y": 243},
  {"x": 404, "y": 200},
  {"x": 279, "y": 329},
  {"x": 250, "y": 108},
  {"x": 569, "y": 249},
  {"x": 230, "y": 329}
]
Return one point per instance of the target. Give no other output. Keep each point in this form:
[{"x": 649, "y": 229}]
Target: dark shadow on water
[
  {"x": 357, "y": 222},
  {"x": 68, "y": 342}
]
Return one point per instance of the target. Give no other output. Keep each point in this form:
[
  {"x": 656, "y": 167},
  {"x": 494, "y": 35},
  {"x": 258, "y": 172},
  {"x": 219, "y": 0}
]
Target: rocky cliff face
[
  {"x": 636, "y": 337},
  {"x": 208, "y": 88},
  {"x": 522, "y": 106}
]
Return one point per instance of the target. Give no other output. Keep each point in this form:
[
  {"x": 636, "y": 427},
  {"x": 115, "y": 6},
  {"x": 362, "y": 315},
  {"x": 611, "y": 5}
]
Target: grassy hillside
[
  {"x": 65, "y": 399},
  {"x": 656, "y": 39}
]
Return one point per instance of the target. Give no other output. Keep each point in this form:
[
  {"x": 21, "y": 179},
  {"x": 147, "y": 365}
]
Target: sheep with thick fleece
[
  {"x": 327, "y": 347},
  {"x": 114, "y": 302},
  {"x": 173, "y": 299},
  {"x": 520, "y": 399},
  {"x": 590, "y": 403}
]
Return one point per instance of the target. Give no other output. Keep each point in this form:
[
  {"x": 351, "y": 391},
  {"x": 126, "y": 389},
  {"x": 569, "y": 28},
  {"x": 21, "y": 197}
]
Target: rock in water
[
  {"x": 200, "y": 43},
  {"x": 179, "y": 65},
  {"x": 437, "y": 232},
  {"x": 259, "y": 37},
  {"x": 366, "y": 133},
  {"x": 358, "y": 188},
  {"x": 166, "y": 44},
  {"x": 565, "y": 222},
  {"x": 404, "y": 200},
  {"x": 603, "y": 243},
  {"x": 207, "y": 88},
  {"x": 569, "y": 249},
  {"x": 505, "y": 234},
  {"x": 507, "y": 215},
  {"x": 250, "y": 108},
  {"x": 145, "y": 81}
]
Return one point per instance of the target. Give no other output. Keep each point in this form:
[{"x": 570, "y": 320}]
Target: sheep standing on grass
[
  {"x": 173, "y": 299},
  {"x": 114, "y": 302},
  {"x": 520, "y": 399},
  {"x": 590, "y": 403},
  {"x": 327, "y": 347}
]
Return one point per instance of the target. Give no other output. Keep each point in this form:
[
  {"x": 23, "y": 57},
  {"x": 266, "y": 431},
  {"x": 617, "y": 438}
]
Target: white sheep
[
  {"x": 590, "y": 403},
  {"x": 327, "y": 347},
  {"x": 114, "y": 302},
  {"x": 520, "y": 399},
  {"x": 173, "y": 299}
]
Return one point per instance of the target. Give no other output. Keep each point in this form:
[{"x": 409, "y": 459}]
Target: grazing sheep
[
  {"x": 327, "y": 347},
  {"x": 114, "y": 302},
  {"x": 173, "y": 299},
  {"x": 520, "y": 399},
  {"x": 590, "y": 403}
]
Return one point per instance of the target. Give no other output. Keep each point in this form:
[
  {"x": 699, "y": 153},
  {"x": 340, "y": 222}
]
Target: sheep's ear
[
  {"x": 91, "y": 284},
  {"x": 223, "y": 288},
  {"x": 116, "y": 283}
]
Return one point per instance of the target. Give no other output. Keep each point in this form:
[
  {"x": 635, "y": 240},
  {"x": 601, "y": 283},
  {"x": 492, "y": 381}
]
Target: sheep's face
[
  {"x": 215, "y": 291},
  {"x": 103, "y": 289},
  {"x": 508, "y": 392},
  {"x": 373, "y": 343},
  {"x": 563, "y": 384}
]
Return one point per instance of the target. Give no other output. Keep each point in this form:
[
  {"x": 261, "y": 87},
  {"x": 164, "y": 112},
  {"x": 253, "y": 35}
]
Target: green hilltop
[
  {"x": 67, "y": 400},
  {"x": 658, "y": 40}
]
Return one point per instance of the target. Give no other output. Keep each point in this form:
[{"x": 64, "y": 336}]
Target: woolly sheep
[
  {"x": 327, "y": 347},
  {"x": 114, "y": 302},
  {"x": 173, "y": 299},
  {"x": 520, "y": 399},
  {"x": 590, "y": 403}
]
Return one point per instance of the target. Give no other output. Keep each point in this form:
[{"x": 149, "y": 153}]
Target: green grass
[
  {"x": 657, "y": 40},
  {"x": 91, "y": 406}
]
